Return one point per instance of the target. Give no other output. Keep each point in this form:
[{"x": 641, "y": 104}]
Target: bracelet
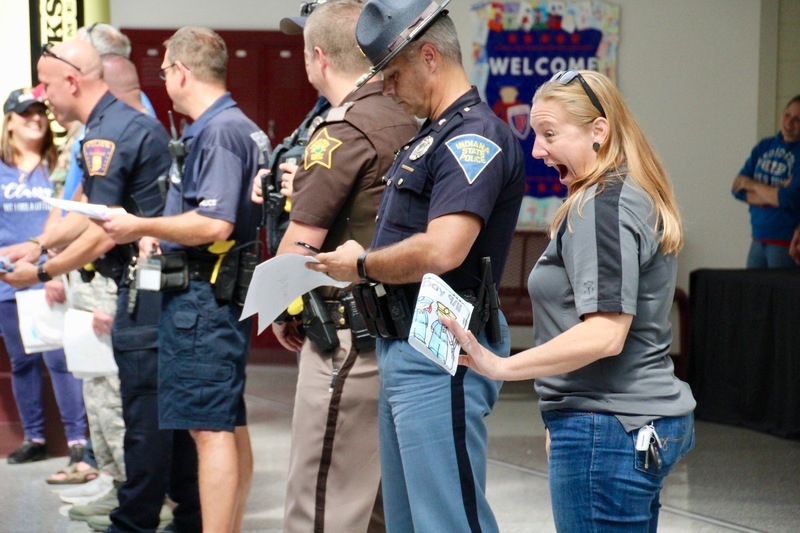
[
  {"x": 361, "y": 266},
  {"x": 42, "y": 274},
  {"x": 42, "y": 247}
]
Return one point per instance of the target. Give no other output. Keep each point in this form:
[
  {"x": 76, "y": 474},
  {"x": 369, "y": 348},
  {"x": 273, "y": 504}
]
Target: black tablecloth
[{"x": 744, "y": 352}]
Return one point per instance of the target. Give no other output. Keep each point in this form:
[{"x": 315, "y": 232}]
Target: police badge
[{"x": 421, "y": 148}]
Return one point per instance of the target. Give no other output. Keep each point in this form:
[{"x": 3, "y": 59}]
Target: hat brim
[
  {"x": 403, "y": 40},
  {"x": 293, "y": 25}
]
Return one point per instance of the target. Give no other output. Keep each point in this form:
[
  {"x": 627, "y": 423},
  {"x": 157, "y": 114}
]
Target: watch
[
  {"x": 361, "y": 266},
  {"x": 42, "y": 274}
]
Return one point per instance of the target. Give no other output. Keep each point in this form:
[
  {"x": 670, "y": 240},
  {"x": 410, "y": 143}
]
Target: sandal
[{"x": 73, "y": 476}]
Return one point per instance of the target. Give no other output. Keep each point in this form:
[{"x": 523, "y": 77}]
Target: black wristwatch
[
  {"x": 361, "y": 266},
  {"x": 42, "y": 274}
]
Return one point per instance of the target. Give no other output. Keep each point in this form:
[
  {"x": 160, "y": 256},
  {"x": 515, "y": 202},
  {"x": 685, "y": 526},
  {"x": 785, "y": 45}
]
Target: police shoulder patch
[
  {"x": 473, "y": 153},
  {"x": 320, "y": 150},
  {"x": 97, "y": 154}
]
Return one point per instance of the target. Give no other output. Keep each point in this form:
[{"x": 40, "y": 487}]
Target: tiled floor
[{"x": 734, "y": 480}]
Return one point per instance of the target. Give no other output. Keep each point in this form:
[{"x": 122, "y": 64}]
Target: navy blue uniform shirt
[
  {"x": 122, "y": 156},
  {"x": 226, "y": 149},
  {"x": 466, "y": 161}
]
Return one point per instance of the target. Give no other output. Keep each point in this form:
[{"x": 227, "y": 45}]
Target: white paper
[
  {"x": 277, "y": 282},
  {"x": 427, "y": 334},
  {"x": 40, "y": 326},
  {"x": 96, "y": 211},
  {"x": 87, "y": 354}
]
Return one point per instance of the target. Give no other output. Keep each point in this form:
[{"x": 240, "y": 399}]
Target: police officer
[
  {"x": 208, "y": 232},
  {"x": 123, "y": 154},
  {"x": 452, "y": 198},
  {"x": 286, "y": 155},
  {"x": 334, "y": 470}
]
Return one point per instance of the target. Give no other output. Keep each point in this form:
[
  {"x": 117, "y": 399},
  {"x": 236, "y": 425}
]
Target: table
[{"x": 744, "y": 349}]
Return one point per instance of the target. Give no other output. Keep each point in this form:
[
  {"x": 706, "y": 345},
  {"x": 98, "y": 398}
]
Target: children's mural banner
[{"x": 517, "y": 46}]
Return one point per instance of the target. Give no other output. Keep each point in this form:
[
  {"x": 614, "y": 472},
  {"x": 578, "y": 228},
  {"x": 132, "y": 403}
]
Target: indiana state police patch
[{"x": 473, "y": 153}]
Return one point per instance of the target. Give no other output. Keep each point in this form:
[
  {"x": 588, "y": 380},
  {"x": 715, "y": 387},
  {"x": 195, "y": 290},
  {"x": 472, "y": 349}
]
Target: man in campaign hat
[{"x": 451, "y": 200}]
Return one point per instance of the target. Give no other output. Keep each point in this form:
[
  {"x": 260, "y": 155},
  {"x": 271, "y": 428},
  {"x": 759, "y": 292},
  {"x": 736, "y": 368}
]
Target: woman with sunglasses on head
[
  {"x": 617, "y": 417},
  {"x": 27, "y": 154}
]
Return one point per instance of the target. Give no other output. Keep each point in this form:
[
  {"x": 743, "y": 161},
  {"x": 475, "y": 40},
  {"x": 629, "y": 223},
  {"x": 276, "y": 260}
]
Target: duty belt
[
  {"x": 338, "y": 314},
  {"x": 200, "y": 270}
]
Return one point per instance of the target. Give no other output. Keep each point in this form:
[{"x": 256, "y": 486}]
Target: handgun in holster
[
  {"x": 487, "y": 305},
  {"x": 317, "y": 323},
  {"x": 363, "y": 339}
]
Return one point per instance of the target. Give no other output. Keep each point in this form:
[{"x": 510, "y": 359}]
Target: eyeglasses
[
  {"x": 307, "y": 7},
  {"x": 564, "y": 77},
  {"x": 162, "y": 73},
  {"x": 46, "y": 52},
  {"x": 89, "y": 31}
]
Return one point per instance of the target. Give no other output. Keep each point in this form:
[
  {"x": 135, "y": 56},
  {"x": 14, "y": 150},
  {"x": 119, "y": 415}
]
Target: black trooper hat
[{"x": 385, "y": 27}]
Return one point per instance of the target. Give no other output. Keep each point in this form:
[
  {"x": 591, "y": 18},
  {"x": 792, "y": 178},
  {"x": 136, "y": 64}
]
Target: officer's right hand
[
  {"x": 288, "y": 336},
  {"x": 256, "y": 194}
]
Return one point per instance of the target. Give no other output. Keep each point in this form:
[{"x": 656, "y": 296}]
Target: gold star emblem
[{"x": 320, "y": 150}]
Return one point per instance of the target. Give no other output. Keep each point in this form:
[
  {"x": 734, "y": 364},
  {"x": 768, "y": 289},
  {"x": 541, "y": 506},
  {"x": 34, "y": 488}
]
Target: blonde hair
[
  {"x": 332, "y": 27},
  {"x": 9, "y": 153},
  {"x": 625, "y": 150},
  {"x": 201, "y": 50}
]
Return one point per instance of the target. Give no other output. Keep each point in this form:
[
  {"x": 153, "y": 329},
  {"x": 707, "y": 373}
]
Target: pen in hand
[{"x": 308, "y": 247}]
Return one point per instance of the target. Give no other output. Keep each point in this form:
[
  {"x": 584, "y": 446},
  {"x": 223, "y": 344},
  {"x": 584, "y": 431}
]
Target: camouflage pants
[
  {"x": 106, "y": 427},
  {"x": 101, "y": 395}
]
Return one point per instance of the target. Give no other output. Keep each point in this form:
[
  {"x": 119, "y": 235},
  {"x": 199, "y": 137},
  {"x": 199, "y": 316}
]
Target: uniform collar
[
  {"x": 466, "y": 100},
  {"x": 100, "y": 108},
  {"x": 366, "y": 90},
  {"x": 223, "y": 102}
]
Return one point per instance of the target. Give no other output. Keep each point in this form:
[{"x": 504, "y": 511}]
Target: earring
[{"x": 596, "y": 146}]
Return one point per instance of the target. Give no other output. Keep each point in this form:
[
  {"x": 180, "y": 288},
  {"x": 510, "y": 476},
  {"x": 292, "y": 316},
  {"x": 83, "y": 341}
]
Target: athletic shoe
[
  {"x": 28, "y": 452},
  {"x": 103, "y": 506},
  {"x": 89, "y": 491}
]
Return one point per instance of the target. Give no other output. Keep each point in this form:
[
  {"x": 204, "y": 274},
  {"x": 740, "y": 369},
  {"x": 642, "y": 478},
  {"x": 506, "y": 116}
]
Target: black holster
[
  {"x": 386, "y": 309},
  {"x": 317, "y": 323}
]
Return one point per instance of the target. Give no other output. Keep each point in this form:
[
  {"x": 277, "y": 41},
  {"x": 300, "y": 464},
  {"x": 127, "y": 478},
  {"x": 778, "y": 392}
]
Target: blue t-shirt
[
  {"x": 467, "y": 161},
  {"x": 777, "y": 164},
  {"x": 24, "y": 211},
  {"x": 226, "y": 149}
]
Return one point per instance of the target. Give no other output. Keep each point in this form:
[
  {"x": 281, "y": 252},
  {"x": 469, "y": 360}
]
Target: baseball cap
[
  {"x": 20, "y": 100},
  {"x": 295, "y": 25}
]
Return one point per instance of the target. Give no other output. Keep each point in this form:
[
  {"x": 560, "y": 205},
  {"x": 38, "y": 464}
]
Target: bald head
[
  {"x": 72, "y": 75},
  {"x": 122, "y": 79},
  {"x": 75, "y": 55}
]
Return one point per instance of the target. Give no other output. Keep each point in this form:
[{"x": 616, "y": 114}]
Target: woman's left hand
[{"x": 475, "y": 356}]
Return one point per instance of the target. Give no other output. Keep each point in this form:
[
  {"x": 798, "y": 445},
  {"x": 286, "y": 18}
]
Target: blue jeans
[
  {"x": 763, "y": 255},
  {"x": 598, "y": 481},
  {"x": 26, "y": 381},
  {"x": 433, "y": 440}
]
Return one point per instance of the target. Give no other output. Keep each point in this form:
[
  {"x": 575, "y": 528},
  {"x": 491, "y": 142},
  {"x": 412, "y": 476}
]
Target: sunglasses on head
[
  {"x": 564, "y": 77},
  {"x": 46, "y": 52}
]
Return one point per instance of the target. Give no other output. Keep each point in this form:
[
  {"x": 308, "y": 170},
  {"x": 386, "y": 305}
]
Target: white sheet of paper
[
  {"x": 87, "y": 354},
  {"x": 96, "y": 211},
  {"x": 40, "y": 327},
  {"x": 277, "y": 282}
]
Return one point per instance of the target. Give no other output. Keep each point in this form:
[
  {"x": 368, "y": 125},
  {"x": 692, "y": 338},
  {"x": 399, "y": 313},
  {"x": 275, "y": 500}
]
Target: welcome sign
[{"x": 517, "y": 46}]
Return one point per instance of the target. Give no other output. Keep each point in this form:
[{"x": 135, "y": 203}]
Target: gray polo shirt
[{"x": 609, "y": 262}]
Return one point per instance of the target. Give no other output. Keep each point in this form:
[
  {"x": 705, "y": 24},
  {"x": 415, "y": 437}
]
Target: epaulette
[{"x": 337, "y": 114}]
